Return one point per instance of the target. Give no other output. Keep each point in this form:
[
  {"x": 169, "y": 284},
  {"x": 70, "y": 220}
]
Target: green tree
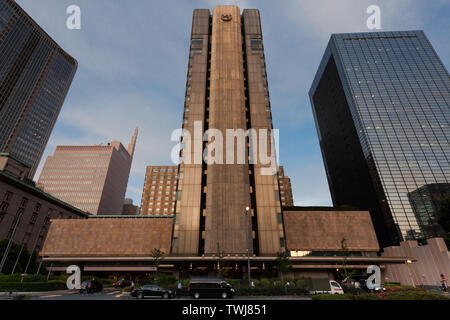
[
  {"x": 346, "y": 273},
  {"x": 158, "y": 257},
  {"x": 283, "y": 265},
  {"x": 221, "y": 263}
]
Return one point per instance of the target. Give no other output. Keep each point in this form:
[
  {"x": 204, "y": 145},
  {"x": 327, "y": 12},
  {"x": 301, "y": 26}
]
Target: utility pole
[{"x": 248, "y": 246}]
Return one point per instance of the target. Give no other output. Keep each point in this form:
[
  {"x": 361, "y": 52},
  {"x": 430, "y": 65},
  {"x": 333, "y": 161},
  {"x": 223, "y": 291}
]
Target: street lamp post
[{"x": 248, "y": 246}]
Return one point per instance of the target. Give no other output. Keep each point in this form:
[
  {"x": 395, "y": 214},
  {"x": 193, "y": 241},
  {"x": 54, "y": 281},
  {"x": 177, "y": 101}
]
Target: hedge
[
  {"x": 270, "y": 291},
  {"x": 18, "y": 278},
  {"x": 412, "y": 295},
  {"x": 33, "y": 286}
]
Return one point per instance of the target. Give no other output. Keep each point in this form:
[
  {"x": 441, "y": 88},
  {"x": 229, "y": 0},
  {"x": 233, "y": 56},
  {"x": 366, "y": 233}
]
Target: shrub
[
  {"x": 234, "y": 282},
  {"x": 404, "y": 294},
  {"x": 278, "y": 291},
  {"x": 33, "y": 286},
  {"x": 18, "y": 278},
  {"x": 301, "y": 283},
  {"x": 127, "y": 289},
  {"x": 165, "y": 280},
  {"x": 264, "y": 282}
]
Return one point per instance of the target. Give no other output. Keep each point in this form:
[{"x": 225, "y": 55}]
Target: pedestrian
[
  {"x": 274, "y": 283},
  {"x": 253, "y": 284},
  {"x": 444, "y": 283},
  {"x": 179, "y": 289},
  {"x": 132, "y": 285}
]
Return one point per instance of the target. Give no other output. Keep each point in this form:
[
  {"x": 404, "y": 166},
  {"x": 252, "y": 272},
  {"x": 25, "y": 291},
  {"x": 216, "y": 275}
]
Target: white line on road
[
  {"x": 114, "y": 292},
  {"x": 51, "y": 296}
]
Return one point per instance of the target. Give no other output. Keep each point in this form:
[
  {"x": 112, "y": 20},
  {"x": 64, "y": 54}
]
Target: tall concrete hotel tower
[
  {"x": 35, "y": 76},
  {"x": 226, "y": 89},
  {"x": 381, "y": 103}
]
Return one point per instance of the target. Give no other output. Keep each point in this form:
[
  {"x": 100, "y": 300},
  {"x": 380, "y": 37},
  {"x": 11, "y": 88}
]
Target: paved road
[
  {"x": 117, "y": 295},
  {"x": 114, "y": 294}
]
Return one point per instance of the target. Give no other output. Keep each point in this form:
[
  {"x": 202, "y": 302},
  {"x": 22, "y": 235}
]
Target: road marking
[
  {"x": 51, "y": 296},
  {"x": 114, "y": 292}
]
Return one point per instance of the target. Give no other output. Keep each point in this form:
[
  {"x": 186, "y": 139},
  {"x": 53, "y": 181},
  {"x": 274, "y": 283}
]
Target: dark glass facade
[
  {"x": 381, "y": 105},
  {"x": 426, "y": 202},
  {"x": 35, "y": 75}
]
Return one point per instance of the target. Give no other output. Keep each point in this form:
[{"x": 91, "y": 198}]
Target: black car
[
  {"x": 122, "y": 283},
  {"x": 152, "y": 291},
  {"x": 210, "y": 287},
  {"x": 90, "y": 286}
]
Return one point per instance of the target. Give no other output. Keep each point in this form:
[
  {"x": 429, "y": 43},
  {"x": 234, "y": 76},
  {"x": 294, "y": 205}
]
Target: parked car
[
  {"x": 152, "y": 291},
  {"x": 324, "y": 286},
  {"x": 202, "y": 287},
  {"x": 122, "y": 283},
  {"x": 91, "y": 286},
  {"x": 363, "y": 285}
]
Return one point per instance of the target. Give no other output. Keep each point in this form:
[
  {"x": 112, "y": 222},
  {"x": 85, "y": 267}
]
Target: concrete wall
[{"x": 429, "y": 261}]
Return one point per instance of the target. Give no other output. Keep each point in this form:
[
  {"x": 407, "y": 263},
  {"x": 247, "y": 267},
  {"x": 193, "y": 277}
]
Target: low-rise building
[
  {"x": 26, "y": 211},
  {"x": 129, "y": 209}
]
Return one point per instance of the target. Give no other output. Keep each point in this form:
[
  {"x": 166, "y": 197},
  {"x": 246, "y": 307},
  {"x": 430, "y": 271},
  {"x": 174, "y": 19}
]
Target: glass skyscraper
[
  {"x": 381, "y": 103},
  {"x": 35, "y": 75}
]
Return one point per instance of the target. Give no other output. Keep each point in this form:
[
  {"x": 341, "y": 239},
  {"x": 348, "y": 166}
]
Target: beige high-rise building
[
  {"x": 226, "y": 89},
  {"x": 287, "y": 199},
  {"x": 91, "y": 178},
  {"x": 159, "y": 193}
]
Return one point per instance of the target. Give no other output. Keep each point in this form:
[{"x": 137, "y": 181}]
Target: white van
[
  {"x": 324, "y": 286},
  {"x": 335, "y": 288}
]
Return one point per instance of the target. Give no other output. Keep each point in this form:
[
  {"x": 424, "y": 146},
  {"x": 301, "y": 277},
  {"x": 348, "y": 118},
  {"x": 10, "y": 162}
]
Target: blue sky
[{"x": 133, "y": 59}]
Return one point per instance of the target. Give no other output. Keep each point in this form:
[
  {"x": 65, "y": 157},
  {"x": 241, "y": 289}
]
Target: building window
[
  {"x": 8, "y": 195},
  {"x": 4, "y": 207},
  {"x": 255, "y": 41},
  {"x": 282, "y": 242},
  {"x": 174, "y": 242},
  {"x": 197, "y": 41},
  {"x": 24, "y": 202},
  {"x": 178, "y": 195}
]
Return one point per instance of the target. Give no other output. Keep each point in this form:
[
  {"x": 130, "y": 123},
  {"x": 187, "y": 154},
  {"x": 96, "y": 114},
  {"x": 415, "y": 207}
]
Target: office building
[
  {"x": 160, "y": 188},
  {"x": 35, "y": 76},
  {"x": 91, "y": 178},
  {"x": 381, "y": 106}
]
